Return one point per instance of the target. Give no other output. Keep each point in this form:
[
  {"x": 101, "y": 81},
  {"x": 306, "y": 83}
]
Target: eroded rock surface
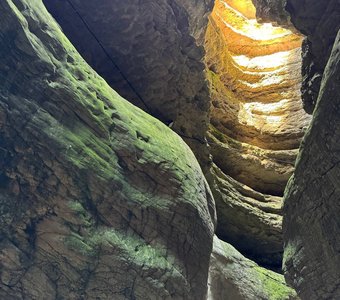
[
  {"x": 98, "y": 200},
  {"x": 312, "y": 206},
  {"x": 257, "y": 122},
  {"x": 233, "y": 277},
  {"x": 151, "y": 52}
]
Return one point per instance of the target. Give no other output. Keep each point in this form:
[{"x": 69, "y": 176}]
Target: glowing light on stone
[
  {"x": 264, "y": 62},
  {"x": 239, "y": 17},
  {"x": 264, "y": 119},
  {"x": 262, "y": 32},
  {"x": 260, "y": 72},
  {"x": 250, "y": 27}
]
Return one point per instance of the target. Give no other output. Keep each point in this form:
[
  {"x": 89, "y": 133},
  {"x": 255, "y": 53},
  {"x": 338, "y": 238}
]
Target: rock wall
[
  {"x": 311, "y": 210},
  {"x": 319, "y": 22},
  {"x": 151, "y": 52},
  {"x": 257, "y": 122},
  {"x": 97, "y": 198},
  {"x": 233, "y": 277}
]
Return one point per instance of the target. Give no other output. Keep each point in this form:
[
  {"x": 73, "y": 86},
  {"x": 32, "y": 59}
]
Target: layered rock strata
[
  {"x": 257, "y": 122},
  {"x": 151, "y": 52},
  {"x": 98, "y": 200},
  {"x": 233, "y": 277}
]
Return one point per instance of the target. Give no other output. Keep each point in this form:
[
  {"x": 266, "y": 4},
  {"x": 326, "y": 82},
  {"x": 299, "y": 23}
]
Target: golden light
[
  {"x": 266, "y": 57},
  {"x": 264, "y": 62},
  {"x": 250, "y": 27},
  {"x": 262, "y": 116}
]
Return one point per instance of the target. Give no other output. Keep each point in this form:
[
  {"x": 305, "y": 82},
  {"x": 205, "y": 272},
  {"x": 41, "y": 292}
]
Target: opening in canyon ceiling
[{"x": 257, "y": 122}]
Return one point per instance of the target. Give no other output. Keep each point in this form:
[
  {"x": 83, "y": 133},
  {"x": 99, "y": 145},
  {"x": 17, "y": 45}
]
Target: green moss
[
  {"x": 289, "y": 252},
  {"x": 217, "y": 134},
  {"x": 81, "y": 213},
  {"x": 274, "y": 285},
  {"x": 77, "y": 243},
  {"x": 134, "y": 247},
  {"x": 129, "y": 246}
]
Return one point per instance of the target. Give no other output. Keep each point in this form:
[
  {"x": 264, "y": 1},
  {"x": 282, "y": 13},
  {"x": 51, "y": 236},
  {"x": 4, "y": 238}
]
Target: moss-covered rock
[
  {"x": 234, "y": 277},
  {"x": 100, "y": 199}
]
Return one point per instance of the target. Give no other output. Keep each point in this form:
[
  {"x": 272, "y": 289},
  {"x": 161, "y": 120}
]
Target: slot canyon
[{"x": 170, "y": 149}]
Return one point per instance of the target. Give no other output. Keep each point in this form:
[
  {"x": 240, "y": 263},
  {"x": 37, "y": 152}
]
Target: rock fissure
[
  {"x": 98, "y": 199},
  {"x": 257, "y": 123}
]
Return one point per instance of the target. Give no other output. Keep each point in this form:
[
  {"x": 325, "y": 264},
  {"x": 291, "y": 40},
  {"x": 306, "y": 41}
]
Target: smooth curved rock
[
  {"x": 234, "y": 277},
  {"x": 311, "y": 207},
  {"x": 97, "y": 198},
  {"x": 157, "y": 46}
]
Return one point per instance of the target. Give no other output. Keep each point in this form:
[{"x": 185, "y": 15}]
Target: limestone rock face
[
  {"x": 257, "y": 122},
  {"x": 98, "y": 200},
  {"x": 233, "y": 277},
  {"x": 311, "y": 209},
  {"x": 149, "y": 51}
]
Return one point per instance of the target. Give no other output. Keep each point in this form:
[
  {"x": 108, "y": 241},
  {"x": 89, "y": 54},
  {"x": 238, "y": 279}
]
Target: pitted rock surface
[
  {"x": 157, "y": 46},
  {"x": 97, "y": 198}
]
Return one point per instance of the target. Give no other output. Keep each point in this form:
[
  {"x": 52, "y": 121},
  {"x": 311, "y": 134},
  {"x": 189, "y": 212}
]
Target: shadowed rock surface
[
  {"x": 256, "y": 116},
  {"x": 100, "y": 200},
  {"x": 319, "y": 22},
  {"x": 157, "y": 46},
  {"x": 97, "y": 198},
  {"x": 233, "y": 277},
  {"x": 312, "y": 205}
]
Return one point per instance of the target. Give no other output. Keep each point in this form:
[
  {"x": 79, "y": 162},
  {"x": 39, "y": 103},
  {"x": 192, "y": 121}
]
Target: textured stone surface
[
  {"x": 157, "y": 45},
  {"x": 319, "y": 22},
  {"x": 312, "y": 206},
  {"x": 233, "y": 277},
  {"x": 98, "y": 200},
  {"x": 272, "y": 11},
  {"x": 257, "y": 122}
]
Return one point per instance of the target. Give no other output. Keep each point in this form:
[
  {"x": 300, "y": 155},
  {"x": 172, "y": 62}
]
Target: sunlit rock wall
[{"x": 257, "y": 122}]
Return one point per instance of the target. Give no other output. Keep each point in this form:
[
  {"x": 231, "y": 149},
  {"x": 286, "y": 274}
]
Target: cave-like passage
[{"x": 257, "y": 122}]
